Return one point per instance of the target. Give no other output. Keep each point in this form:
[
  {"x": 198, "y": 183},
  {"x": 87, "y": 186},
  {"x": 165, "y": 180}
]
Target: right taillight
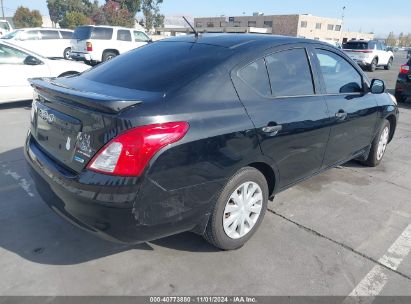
[
  {"x": 129, "y": 153},
  {"x": 405, "y": 69},
  {"x": 89, "y": 46}
]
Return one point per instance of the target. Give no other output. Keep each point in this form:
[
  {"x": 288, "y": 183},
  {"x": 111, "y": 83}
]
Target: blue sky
[{"x": 379, "y": 16}]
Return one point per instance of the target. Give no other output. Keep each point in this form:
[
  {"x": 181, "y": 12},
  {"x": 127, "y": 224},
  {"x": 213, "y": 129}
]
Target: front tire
[
  {"x": 379, "y": 145},
  {"x": 400, "y": 98},
  {"x": 389, "y": 64},
  {"x": 239, "y": 210},
  {"x": 373, "y": 65},
  {"x": 66, "y": 53}
]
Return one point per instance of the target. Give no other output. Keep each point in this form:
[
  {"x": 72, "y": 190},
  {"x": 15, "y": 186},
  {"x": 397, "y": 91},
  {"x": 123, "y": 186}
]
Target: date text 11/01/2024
[{"x": 203, "y": 299}]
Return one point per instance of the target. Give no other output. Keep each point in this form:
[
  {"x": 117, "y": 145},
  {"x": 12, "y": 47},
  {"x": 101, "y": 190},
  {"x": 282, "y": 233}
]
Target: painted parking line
[
  {"x": 21, "y": 181},
  {"x": 373, "y": 283}
]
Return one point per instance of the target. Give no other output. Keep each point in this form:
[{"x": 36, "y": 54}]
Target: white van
[
  {"x": 95, "y": 44},
  {"x": 44, "y": 41},
  {"x": 5, "y": 27}
]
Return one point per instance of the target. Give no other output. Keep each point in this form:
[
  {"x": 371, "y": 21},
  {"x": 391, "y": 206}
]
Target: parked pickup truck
[{"x": 5, "y": 27}]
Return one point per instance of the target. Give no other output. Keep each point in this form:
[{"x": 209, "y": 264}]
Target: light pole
[
  {"x": 342, "y": 24},
  {"x": 2, "y": 8}
]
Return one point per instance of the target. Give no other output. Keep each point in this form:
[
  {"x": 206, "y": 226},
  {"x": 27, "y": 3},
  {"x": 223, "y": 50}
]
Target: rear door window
[
  {"x": 66, "y": 34},
  {"x": 47, "y": 35},
  {"x": 102, "y": 33},
  {"x": 340, "y": 77},
  {"x": 290, "y": 73},
  {"x": 255, "y": 76},
  {"x": 30, "y": 35},
  {"x": 123, "y": 35}
]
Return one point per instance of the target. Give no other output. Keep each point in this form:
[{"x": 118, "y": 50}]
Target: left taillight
[
  {"x": 405, "y": 69},
  {"x": 129, "y": 153},
  {"x": 89, "y": 46}
]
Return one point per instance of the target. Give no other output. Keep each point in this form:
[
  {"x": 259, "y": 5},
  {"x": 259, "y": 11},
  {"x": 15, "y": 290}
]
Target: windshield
[
  {"x": 159, "y": 66},
  {"x": 82, "y": 33},
  {"x": 11, "y": 35},
  {"x": 356, "y": 46},
  {"x": 4, "y": 25}
]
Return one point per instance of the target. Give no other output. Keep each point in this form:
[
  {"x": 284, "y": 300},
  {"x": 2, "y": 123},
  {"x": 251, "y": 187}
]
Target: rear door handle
[
  {"x": 272, "y": 129},
  {"x": 341, "y": 115}
]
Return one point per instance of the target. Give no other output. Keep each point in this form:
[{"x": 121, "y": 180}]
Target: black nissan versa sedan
[{"x": 197, "y": 133}]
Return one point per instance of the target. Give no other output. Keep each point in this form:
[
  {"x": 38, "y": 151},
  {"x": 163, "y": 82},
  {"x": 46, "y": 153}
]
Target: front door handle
[
  {"x": 341, "y": 115},
  {"x": 273, "y": 130}
]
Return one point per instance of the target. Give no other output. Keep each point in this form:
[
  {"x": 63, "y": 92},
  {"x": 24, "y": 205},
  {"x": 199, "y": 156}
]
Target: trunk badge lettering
[
  {"x": 68, "y": 143},
  {"x": 46, "y": 116}
]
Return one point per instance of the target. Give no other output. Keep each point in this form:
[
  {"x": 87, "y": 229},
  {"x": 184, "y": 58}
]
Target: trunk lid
[{"x": 71, "y": 124}]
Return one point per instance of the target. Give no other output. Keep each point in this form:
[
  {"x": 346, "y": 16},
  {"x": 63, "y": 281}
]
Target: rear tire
[
  {"x": 389, "y": 64},
  {"x": 108, "y": 55},
  {"x": 379, "y": 145},
  {"x": 66, "y": 53},
  {"x": 239, "y": 210}
]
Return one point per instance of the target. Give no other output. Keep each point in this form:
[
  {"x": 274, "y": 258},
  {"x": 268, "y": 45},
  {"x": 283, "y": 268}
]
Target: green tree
[
  {"x": 113, "y": 14},
  {"x": 59, "y": 8},
  {"x": 391, "y": 39},
  {"x": 152, "y": 16},
  {"x": 133, "y": 6},
  {"x": 24, "y": 17},
  {"x": 74, "y": 19}
]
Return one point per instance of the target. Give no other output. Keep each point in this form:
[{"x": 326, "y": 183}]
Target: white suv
[
  {"x": 48, "y": 42},
  {"x": 94, "y": 44},
  {"x": 369, "y": 54}
]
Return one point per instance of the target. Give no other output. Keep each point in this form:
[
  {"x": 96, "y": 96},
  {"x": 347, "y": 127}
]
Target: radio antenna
[{"x": 195, "y": 32}]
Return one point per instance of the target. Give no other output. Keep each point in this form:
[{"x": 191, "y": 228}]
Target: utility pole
[
  {"x": 342, "y": 24},
  {"x": 2, "y": 9}
]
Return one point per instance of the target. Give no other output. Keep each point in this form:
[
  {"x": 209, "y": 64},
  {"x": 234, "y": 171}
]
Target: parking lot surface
[{"x": 346, "y": 231}]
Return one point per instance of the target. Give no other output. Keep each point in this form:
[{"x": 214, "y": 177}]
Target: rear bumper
[
  {"x": 109, "y": 206},
  {"x": 403, "y": 86},
  {"x": 362, "y": 62},
  {"x": 78, "y": 56}
]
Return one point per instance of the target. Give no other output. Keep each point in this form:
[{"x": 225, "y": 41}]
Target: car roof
[
  {"x": 42, "y": 29},
  {"x": 242, "y": 41},
  {"x": 109, "y": 26}
]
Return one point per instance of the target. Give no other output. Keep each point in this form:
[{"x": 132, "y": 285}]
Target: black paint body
[
  {"x": 403, "y": 86},
  {"x": 179, "y": 187}
]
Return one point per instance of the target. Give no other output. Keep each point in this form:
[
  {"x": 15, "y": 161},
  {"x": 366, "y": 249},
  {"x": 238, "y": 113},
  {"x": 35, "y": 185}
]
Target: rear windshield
[
  {"x": 158, "y": 66},
  {"x": 356, "y": 45},
  {"x": 82, "y": 33}
]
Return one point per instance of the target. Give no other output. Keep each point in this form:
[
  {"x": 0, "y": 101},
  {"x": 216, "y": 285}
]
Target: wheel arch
[
  {"x": 393, "y": 124},
  {"x": 111, "y": 50},
  {"x": 269, "y": 175}
]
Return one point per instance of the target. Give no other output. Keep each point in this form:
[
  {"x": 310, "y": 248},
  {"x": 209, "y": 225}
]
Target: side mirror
[
  {"x": 31, "y": 60},
  {"x": 377, "y": 86}
]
